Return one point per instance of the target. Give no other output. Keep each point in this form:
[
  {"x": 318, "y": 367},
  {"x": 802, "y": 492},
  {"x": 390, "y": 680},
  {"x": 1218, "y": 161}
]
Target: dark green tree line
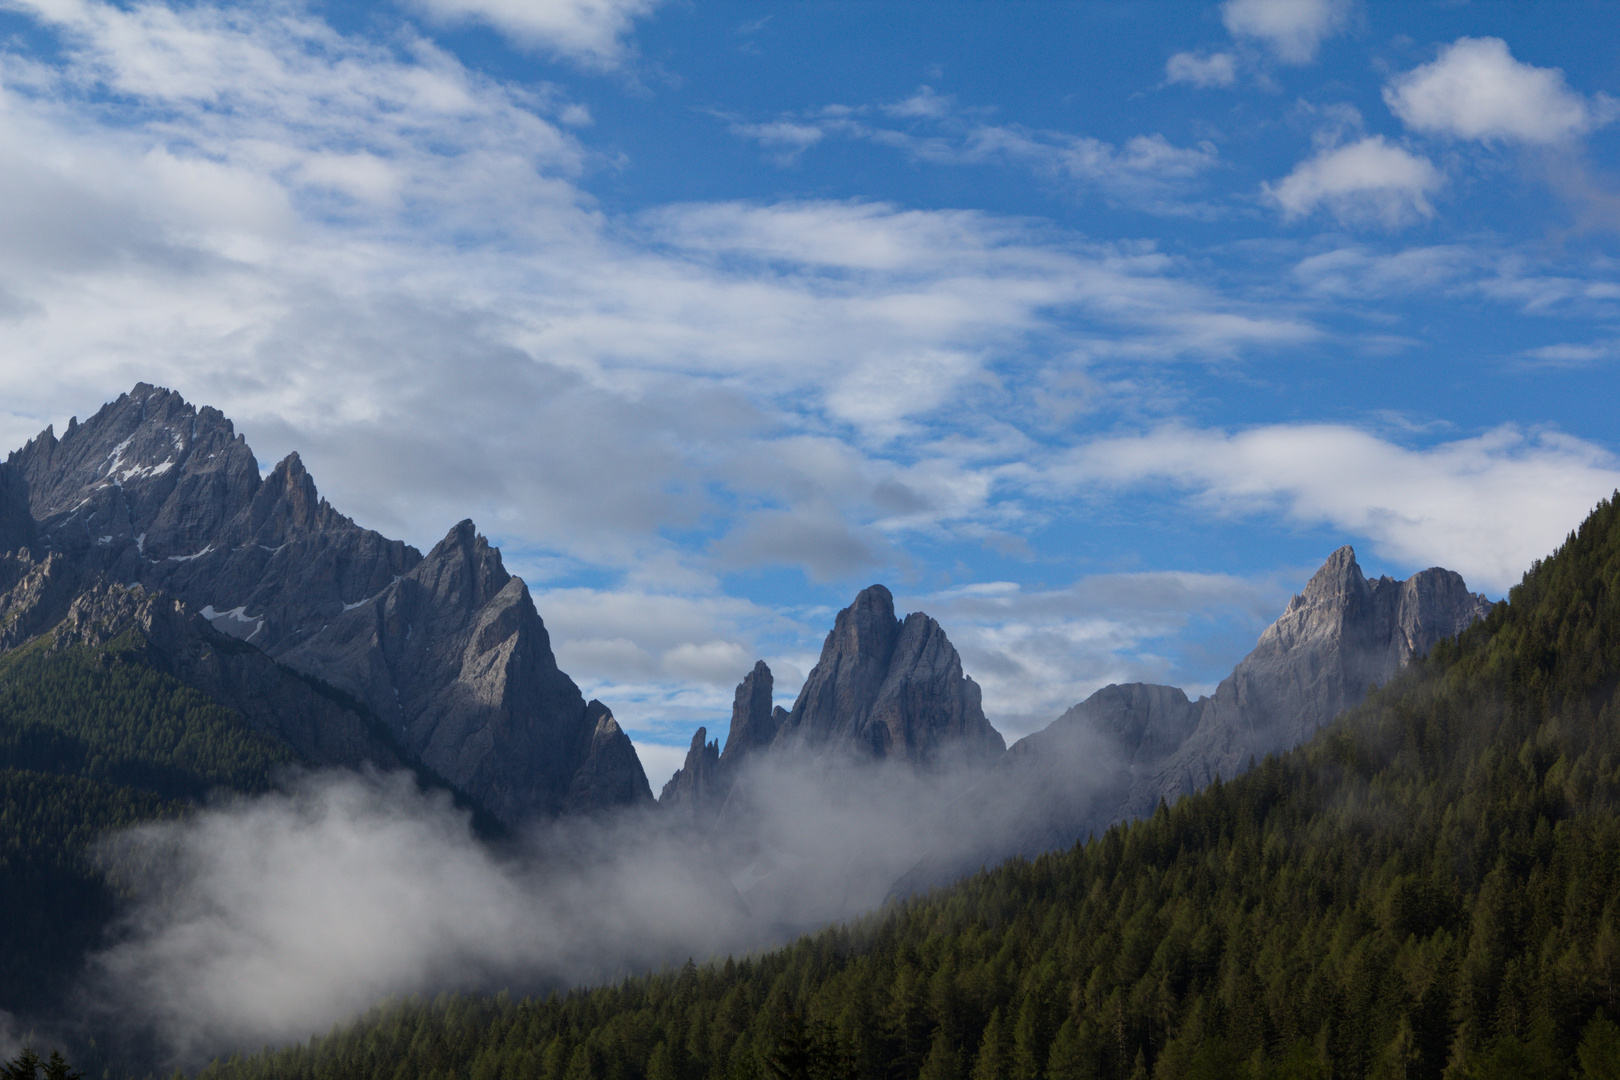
[{"x": 1429, "y": 888}]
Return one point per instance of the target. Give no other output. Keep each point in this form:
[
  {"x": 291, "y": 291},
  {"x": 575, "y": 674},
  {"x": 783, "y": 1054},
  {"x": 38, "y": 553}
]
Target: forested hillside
[
  {"x": 92, "y": 738},
  {"x": 1431, "y": 887}
]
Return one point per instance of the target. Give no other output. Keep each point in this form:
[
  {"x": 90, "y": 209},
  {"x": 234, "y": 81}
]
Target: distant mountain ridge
[
  {"x": 1114, "y": 756},
  {"x": 446, "y": 648}
]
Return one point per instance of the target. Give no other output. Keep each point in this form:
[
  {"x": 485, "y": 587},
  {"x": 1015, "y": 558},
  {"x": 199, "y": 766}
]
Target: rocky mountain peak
[
  {"x": 1339, "y": 576},
  {"x": 462, "y": 569},
  {"x": 1115, "y": 755},
  {"x": 287, "y": 505},
  {"x": 696, "y": 792},
  {"x": 1339, "y": 636},
  {"x": 754, "y": 719},
  {"x": 148, "y": 466},
  {"x": 447, "y": 651},
  {"x": 888, "y": 689},
  {"x": 865, "y": 632}
]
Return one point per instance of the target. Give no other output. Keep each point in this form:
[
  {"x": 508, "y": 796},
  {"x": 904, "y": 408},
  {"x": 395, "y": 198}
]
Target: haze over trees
[
  {"x": 1426, "y": 887},
  {"x": 1429, "y": 887}
]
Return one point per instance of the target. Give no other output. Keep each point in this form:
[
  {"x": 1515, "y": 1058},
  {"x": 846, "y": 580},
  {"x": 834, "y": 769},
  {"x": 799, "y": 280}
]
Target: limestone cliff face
[
  {"x": 1113, "y": 756},
  {"x": 1336, "y": 639},
  {"x": 1340, "y": 636},
  {"x": 889, "y": 689},
  {"x": 696, "y": 792},
  {"x": 155, "y": 491},
  {"x": 755, "y": 720},
  {"x": 447, "y": 650},
  {"x": 455, "y": 658},
  {"x": 16, "y": 523},
  {"x": 883, "y": 690}
]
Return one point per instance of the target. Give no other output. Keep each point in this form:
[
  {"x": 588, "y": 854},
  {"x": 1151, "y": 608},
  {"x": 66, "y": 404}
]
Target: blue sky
[{"x": 1090, "y": 329}]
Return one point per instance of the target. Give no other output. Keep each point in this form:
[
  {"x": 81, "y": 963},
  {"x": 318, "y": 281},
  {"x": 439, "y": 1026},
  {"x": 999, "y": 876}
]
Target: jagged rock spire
[{"x": 890, "y": 689}]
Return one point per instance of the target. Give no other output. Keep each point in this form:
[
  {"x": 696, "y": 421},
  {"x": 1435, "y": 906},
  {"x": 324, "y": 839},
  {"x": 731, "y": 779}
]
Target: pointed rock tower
[{"x": 889, "y": 689}]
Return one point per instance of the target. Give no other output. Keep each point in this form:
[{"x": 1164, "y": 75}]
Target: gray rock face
[
  {"x": 888, "y": 689},
  {"x": 454, "y": 657},
  {"x": 34, "y": 595},
  {"x": 609, "y": 772},
  {"x": 698, "y": 790},
  {"x": 1341, "y": 636},
  {"x": 695, "y": 792},
  {"x": 448, "y": 650},
  {"x": 270, "y": 698},
  {"x": 882, "y": 690},
  {"x": 16, "y": 523},
  {"x": 754, "y": 719},
  {"x": 1113, "y": 756},
  {"x": 154, "y": 491}
]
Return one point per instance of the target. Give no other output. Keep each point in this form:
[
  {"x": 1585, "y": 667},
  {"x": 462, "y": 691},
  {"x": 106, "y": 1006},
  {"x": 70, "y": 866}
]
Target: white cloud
[
  {"x": 1476, "y": 90},
  {"x": 1366, "y": 181},
  {"x": 924, "y": 103},
  {"x": 589, "y": 31},
  {"x": 383, "y": 260},
  {"x": 1486, "y": 506},
  {"x": 786, "y": 140},
  {"x": 1216, "y": 69},
  {"x": 1363, "y": 274},
  {"x": 1035, "y": 652},
  {"x": 1291, "y": 29},
  {"x": 1146, "y": 172},
  {"x": 1569, "y": 354}
]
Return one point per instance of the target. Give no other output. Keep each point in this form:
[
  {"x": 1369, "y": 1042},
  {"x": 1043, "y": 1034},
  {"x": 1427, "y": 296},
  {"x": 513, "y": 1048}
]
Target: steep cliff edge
[{"x": 889, "y": 689}]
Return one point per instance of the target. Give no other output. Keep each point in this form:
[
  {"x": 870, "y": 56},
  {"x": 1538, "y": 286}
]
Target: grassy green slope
[
  {"x": 92, "y": 739},
  {"x": 1431, "y": 887}
]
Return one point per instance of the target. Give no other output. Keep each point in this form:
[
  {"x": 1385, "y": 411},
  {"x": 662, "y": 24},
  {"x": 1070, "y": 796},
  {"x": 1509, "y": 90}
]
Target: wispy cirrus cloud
[
  {"x": 374, "y": 255},
  {"x": 1440, "y": 504},
  {"x": 589, "y": 32},
  {"x": 1145, "y": 172}
]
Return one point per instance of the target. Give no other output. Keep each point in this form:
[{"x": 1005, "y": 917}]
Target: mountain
[
  {"x": 172, "y": 623},
  {"x": 889, "y": 689},
  {"x": 883, "y": 690},
  {"x": 1343, "y": 635},
  {"x": 1428, "y": 887},
  {"x": 1115, "y": 756},
  {"x": 446, "y": 650}
]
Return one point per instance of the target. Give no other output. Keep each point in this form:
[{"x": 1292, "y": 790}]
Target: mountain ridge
[{"x": 156, "y": 492}]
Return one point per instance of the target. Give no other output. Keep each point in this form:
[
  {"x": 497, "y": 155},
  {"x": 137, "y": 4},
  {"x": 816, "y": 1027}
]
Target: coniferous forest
[
  {"x": 92, "y": 739},
  {"x": 1429, "y": 888}
]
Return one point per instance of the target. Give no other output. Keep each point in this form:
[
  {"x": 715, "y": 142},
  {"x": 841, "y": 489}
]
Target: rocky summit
[
  {"x": 439, "y": 662},
  {"x": 1115, "y": 755},
  {"x": 889, "y": 689},
  {"x": 884, "y": 689}
]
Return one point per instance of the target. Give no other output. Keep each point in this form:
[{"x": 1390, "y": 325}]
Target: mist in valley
[{"x": 266, "y": 920}]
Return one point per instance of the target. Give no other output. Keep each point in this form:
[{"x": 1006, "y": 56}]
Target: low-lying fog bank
[{"x": 265, "y": 920}]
